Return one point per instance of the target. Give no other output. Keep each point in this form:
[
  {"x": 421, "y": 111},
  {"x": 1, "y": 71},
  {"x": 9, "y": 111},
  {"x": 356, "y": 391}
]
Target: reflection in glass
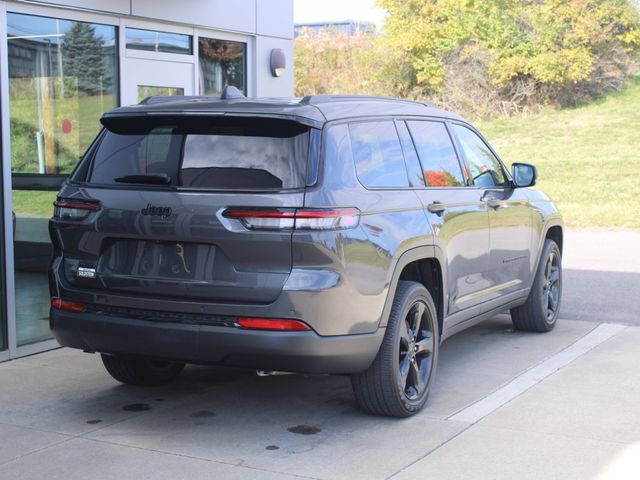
[
  {"x": 152, "y": 41},
  {"x": 378, "y": 155},
  {"x": 145, "y": 91},
  {"x": 222, "y": 63},
  {"x": 486, "y": 170},
  {"x": 62, "y": 77},
  {"x": 3, "y": 293},
  {"x": 436, "y": 153}
]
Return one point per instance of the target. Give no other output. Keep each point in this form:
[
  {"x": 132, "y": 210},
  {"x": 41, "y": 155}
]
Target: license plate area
[{"x": 157, "y": 260}]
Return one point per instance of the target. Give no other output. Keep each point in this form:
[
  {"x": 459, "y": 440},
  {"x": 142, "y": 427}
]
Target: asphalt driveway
[{"x": 602, "y": 276}]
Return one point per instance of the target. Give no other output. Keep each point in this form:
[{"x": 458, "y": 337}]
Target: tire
[
  {"x": 143, "y": 371},
  {"x": 540, "y": 311},
  {"x": 383, "y": 389}
]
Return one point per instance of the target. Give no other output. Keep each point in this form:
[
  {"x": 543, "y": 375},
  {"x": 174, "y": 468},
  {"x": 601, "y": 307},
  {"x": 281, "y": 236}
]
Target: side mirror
[{"x": 524, "y": 175}]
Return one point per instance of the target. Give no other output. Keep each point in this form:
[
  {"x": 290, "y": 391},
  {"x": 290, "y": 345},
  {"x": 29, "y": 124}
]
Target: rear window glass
[{"x": 206, "y": 153}]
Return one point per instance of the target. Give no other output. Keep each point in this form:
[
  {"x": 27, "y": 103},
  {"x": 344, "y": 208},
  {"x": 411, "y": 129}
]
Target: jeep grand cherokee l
[{"x": 329, "y": 234}]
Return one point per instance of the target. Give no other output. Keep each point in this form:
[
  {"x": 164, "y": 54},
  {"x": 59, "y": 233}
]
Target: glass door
[
  {"x": 145, "y": 77},
  {"x": 63, "y": 75},
  {"x": 3, "y": 292}
]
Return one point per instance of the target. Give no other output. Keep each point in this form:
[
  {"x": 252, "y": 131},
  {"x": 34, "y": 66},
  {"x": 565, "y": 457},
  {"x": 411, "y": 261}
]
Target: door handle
[
  {"x": 495, "y": 203},
  {"x": 437, "y": 207}
]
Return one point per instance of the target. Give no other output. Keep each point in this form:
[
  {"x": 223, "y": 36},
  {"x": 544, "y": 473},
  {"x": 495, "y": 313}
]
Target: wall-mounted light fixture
[{"x": 278, "y": 62}]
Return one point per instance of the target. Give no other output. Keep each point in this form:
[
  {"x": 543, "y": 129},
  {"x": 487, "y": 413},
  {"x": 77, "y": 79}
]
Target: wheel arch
[
  {"x": 556, "y": 233},
  {"x": 423, "y": 265}
]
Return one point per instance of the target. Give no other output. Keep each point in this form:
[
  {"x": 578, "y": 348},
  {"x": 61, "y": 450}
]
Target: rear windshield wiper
[{"x": 151, "y": 178}]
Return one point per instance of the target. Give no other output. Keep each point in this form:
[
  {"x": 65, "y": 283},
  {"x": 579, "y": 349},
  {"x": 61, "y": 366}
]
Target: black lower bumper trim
[{"x": 304, "y": 352}]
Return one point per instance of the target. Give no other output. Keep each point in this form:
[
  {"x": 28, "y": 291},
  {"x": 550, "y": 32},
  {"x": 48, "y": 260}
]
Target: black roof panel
[{"x": 313, "y": 110}]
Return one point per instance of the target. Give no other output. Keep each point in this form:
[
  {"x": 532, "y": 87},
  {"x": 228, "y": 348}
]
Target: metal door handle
[
  {"x": 495, "y": 203},
  {"x": 437, "y": 207}
]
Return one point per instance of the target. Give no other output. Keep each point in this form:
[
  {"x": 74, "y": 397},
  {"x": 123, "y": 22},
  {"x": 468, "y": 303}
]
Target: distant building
[{"x": 348, "y": 27}]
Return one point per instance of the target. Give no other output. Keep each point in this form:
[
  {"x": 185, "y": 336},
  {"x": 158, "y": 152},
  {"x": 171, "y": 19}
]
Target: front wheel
[
  {"x": 540, "y": 312},
  {"x": 134, "y": 370},
  {"x": 398, "y": 381}
]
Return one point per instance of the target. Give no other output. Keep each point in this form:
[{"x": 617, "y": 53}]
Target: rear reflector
[
  {"x": 67, "y": 305},
  {"x": 279, "y": 324},
  {"x": 72, "y": 209},
  {"x": 295, "y": 218}
]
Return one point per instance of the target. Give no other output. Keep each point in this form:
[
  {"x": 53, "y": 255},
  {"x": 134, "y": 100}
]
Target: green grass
[
  {"x": 28, "y": 203},
  {"x": 588, "y": 158}
]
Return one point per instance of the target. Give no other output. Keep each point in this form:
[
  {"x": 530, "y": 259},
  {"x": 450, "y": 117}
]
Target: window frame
[{"x": 505, "y": 170}]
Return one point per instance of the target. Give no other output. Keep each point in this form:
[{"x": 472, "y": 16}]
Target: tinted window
[
  {"x": 416, "y": 178},
  {"x": 252, "y": 155},
  {"x": 486, "y": 170},
  {"x": 378, "y": 155},
  {"x": 436, "y": 153}
]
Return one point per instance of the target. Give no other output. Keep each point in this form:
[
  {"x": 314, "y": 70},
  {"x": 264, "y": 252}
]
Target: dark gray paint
[{"x": 487, "y": 242}]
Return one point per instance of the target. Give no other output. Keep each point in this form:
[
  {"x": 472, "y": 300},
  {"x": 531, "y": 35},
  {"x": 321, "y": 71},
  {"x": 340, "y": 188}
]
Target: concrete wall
[
  {"x": 264, "y": 17},
  {"x": 235, "y": 15},
  {"x": 267, "y": 85}
]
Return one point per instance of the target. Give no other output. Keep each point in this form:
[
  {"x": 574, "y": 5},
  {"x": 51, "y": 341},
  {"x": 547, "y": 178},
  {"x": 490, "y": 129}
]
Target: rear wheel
[
  {"x": 540, "y": 312},
  {"x": 398, "y": 381},
  {"x": 134, "y": 370}
]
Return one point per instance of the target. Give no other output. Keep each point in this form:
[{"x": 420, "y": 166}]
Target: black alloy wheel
[{"x": 398, "y": 381}]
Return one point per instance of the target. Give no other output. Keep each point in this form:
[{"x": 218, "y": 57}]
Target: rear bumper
[{"x": 304, "y": 352}]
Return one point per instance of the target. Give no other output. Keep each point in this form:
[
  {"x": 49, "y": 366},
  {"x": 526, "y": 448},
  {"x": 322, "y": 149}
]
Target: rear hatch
[{"x": 146, "y": 212}]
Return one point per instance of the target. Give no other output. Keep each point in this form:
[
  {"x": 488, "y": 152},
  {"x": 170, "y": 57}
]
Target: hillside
[{"x": 588, "y": 158}]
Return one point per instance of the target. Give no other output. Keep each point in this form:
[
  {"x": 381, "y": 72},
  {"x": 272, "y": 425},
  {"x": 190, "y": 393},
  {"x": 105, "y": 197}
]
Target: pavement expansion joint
[{"x": 478, "y": 410}]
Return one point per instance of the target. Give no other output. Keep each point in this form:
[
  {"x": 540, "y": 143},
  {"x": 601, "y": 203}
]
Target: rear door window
[
  {"x": 264, "y": 154},
  {"x": 437, "y": 154},
  {"x": 378, "y": 155}
]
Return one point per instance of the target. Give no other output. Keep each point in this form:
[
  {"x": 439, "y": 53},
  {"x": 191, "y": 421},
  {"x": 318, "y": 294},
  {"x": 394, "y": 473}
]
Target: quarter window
[
  {"x": 378, "y": 155},
  {"x": 485, "y": 168},
  {"x": 436, "y": 153}
]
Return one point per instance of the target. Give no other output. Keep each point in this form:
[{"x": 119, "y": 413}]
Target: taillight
[
  {"x": 67, "y": 305},
  {"x": 279, "y": 324},
  {"x": 72, "y": 209},
  {"x": 263, "y": 219},
  {"x": 295, "y": 218}
]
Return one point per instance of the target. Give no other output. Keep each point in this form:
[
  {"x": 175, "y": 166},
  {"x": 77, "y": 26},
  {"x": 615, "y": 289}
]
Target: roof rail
[{"x": 318, "y": 99}]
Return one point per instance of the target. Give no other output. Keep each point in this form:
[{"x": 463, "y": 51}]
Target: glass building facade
[
  {"x": 60, "y": 71},
  {"x": 62, "y": 76}
]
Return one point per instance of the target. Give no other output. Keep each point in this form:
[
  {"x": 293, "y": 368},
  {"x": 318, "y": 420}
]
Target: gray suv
[{"x": 329, "y": 234}]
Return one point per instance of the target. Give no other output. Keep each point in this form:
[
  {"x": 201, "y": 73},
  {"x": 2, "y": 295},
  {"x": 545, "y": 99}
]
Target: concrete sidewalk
[{"x": 62, "y": 416}]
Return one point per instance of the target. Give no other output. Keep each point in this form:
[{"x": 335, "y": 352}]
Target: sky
[{"x": 305, "y": 11}]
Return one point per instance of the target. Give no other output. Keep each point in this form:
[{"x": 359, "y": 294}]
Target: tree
[
  {"x": 82, "y": 58},
  {"x": 519, "y": 50}
]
